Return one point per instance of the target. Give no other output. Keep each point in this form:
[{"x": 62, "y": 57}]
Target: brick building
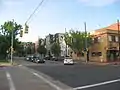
[{"x": 105, "y": 46}]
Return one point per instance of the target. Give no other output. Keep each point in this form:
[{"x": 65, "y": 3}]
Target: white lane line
[
  {"x": 11, "y": 85},
  {"x": 98, "y": 84},
  {"x": 47, "y": 81}
]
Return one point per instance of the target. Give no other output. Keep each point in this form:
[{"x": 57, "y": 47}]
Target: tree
[
  {"x": 3, "y": 47},
  {"x": 41, "y": 47},
  {"x": 76, "y": 40},
  {"x": 20, "y": 49},
  {"x": 56, "y": 49},
  {"x": 6, "y": 31},
  {"x": 30, "y": 48}
]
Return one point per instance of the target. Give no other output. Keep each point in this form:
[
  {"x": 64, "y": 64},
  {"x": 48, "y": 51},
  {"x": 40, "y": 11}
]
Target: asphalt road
[
  {"x": 112, "y": 86},
  {"x": 80, "y": 75},
  {"x": 28, "y": 63}
]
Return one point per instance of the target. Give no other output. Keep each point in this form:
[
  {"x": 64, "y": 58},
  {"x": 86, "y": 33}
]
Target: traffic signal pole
[{"x": 12, "y": 45}]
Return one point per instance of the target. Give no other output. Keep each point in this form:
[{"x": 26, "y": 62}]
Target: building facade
[
  {"x": 57, "y": 37},
  {"x": 105, "y": 47}
]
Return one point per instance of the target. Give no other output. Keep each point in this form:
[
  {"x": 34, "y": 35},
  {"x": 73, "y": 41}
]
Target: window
[
  {"x": 96, "y": 40},
  {"x": 113, "y": 38},
  {"x": 99, "y": 53},
  {"x": 99, "y": 38},
  {"x": 116, "y": 39},
  {"x": 109, "y": 38},
  {"x": 94, "y": 54},
  {"x": 119, "y": 39}
]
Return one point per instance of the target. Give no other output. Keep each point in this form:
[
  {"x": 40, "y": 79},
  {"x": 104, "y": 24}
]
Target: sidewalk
[
  {"x": 24, "y": 80},
  {"x": 98, "y": 63}
]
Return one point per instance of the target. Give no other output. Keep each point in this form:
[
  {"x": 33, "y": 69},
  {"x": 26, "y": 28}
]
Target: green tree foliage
[
  {"x": 20, "y": 49},
  {"x": 41, "y": 47},
  {"x": 76, "y": 40},
  {"x": 30, "y": 48},
  {"x": 6, "y": 31},
  {"x": 56, "y": 49}
]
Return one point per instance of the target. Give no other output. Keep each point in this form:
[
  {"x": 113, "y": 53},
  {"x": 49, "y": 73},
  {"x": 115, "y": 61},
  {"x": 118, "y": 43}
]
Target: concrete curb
[
  {"x": 8, "y": 64},
  {"x": 101, "y": 64},
  {"x": 95, "y": 63}
]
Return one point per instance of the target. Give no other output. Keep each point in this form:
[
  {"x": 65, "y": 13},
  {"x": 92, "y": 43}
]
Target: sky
[{"x": 56, "y": 15}]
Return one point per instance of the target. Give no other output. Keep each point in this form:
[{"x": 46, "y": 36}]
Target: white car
[{"x": 68, "y": 60}]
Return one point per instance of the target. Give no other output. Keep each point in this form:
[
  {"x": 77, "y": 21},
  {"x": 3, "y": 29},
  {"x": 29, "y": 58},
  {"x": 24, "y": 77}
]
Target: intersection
[{"x": 54, "y": 75}]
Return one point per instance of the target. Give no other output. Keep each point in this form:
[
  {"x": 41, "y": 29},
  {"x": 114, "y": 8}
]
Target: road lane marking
[
  {"x": 47, "y": 81},
  {"x": 95, "y": 85},
  {"x": 11, "y": 85}
]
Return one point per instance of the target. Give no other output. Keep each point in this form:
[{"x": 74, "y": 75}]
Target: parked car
[
  {"x": 27, "y": 58},
  {"x": 48, "y": 58},
  {"x": 54, "y": 58},
  {"x": 31, "y": 58},
  {"x": 38, "y": 60},
  {"x": 68, "y": 61},
  {"x": 61, "y": 58}
]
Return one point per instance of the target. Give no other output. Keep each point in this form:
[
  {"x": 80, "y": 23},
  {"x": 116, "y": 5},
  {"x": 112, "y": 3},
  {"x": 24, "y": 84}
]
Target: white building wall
[{"x": 63, "y": 45}]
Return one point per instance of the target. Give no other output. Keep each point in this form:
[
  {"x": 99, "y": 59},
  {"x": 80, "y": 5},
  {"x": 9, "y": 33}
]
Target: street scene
[
  {"x": 28, "y": 76},
  {"x": 59, "y": 45}
]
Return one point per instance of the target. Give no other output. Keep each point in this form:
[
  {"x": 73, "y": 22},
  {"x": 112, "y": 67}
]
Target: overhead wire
[{"x": 40, "y": 4}]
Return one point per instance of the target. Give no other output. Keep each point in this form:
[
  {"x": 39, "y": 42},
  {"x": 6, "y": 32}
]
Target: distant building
[{"x": 52, "y": 38}]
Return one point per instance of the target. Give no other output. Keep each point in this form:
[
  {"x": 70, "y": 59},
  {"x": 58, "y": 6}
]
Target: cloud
[{"x": 98, "y": 3}]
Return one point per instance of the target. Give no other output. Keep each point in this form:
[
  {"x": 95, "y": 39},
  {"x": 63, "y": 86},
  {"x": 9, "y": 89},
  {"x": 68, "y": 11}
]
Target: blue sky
[{"x": 56, "y": 15}]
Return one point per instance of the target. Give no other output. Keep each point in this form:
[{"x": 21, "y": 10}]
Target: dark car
[
  {"x": 54, "y": 58},
  {"x": 27, "y": 58},
  {"x": 60, "y": 58},
  {"x": 38, "y": 60},
  {"x": 48, "y": 58},
  {"x": 31, "y": 58}
]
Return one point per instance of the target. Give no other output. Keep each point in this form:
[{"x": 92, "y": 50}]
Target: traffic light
[
  {"x": 21, "y": 33},
  {"x": 26, "y": 28}
]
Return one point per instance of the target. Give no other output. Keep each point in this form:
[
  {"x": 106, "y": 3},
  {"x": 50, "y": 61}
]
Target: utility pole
[
  {"x": 12, "y": 43},
  {"x": 118, "y": 39},
  {"x": 66, "y": 46},
  {"x": 86, "y": 42}
]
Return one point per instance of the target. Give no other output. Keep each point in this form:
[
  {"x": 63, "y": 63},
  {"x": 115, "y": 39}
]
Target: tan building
[{"x": 105, "y": 44}]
